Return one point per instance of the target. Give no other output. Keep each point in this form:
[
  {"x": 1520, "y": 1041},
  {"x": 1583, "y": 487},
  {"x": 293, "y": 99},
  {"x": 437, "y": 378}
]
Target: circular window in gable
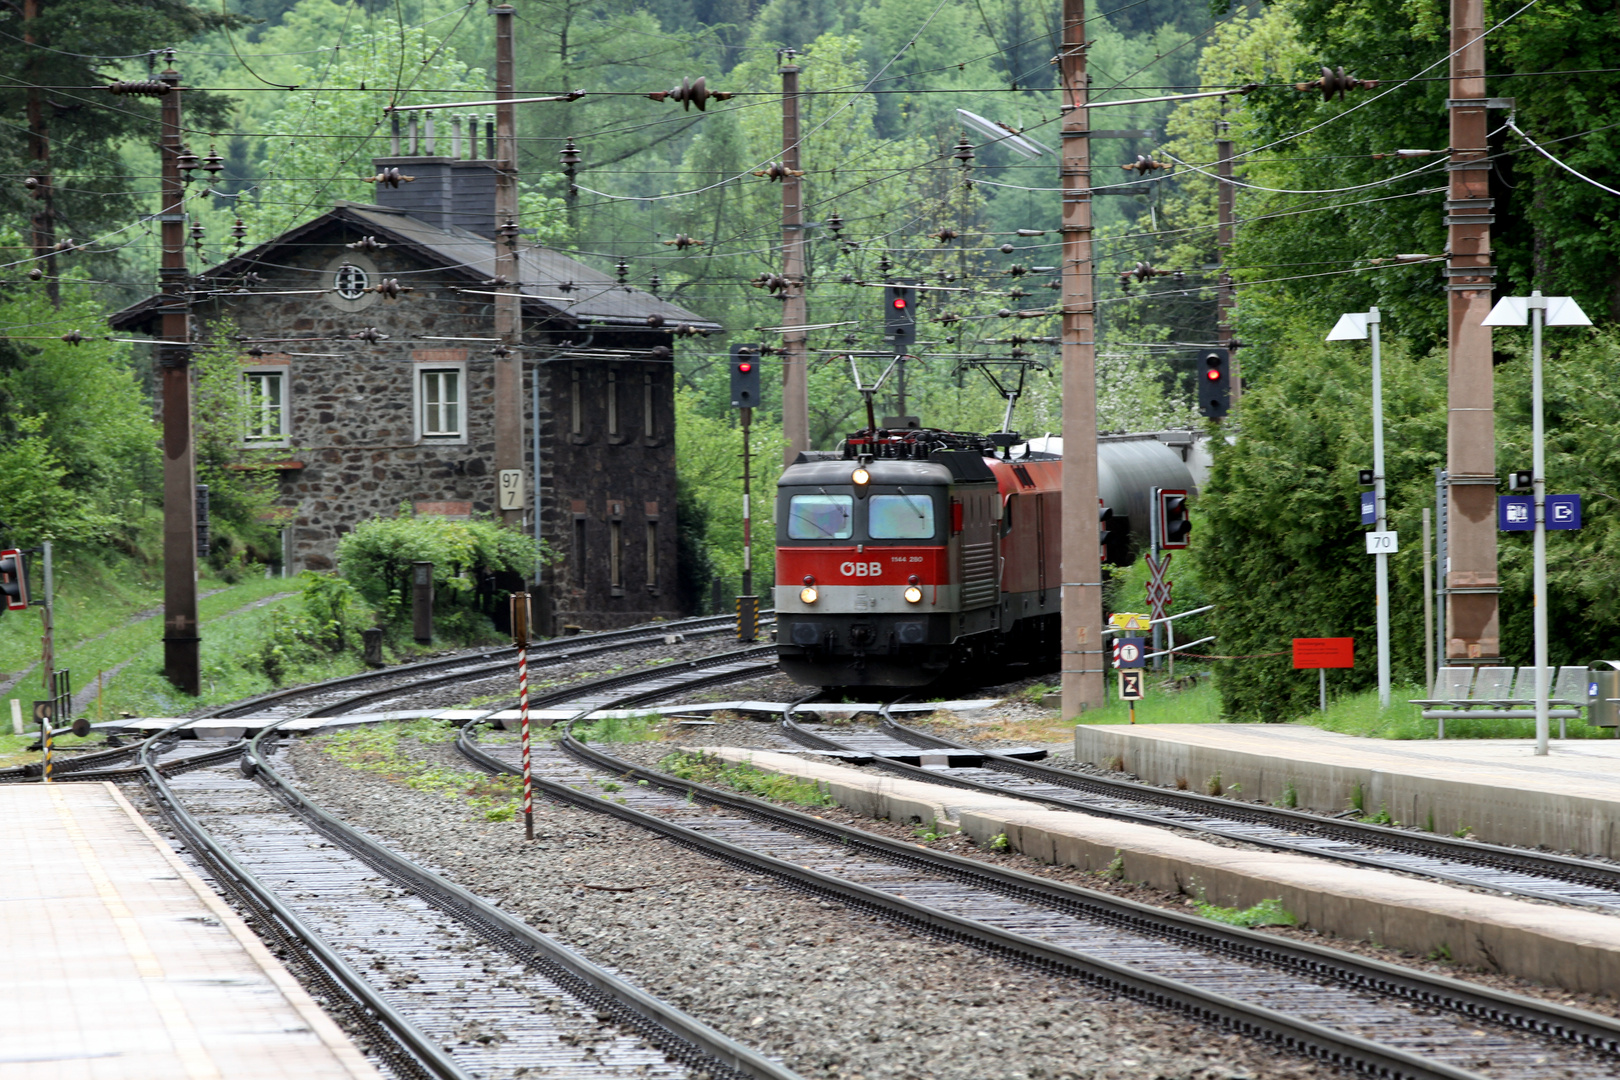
[
  {"x": 348, "y": 276},
  {"x": 351, "y": 281}
]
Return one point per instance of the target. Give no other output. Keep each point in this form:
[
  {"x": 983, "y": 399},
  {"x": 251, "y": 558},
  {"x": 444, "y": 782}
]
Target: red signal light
[
  {"x": 900, "y": 303},
  {"x": 745, "y": 368},
  {"x": 1212, "y": 374}
]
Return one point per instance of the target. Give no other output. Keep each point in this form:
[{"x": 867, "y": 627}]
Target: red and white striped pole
[{"x": 520, "y": 637}]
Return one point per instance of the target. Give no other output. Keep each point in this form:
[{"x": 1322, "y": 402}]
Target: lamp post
[
  {"x": 1357, "y": 326},
  {"x": 1539, "y": 311}
]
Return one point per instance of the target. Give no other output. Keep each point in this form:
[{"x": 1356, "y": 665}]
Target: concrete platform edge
[
  {"x": 324, "y": 1027},
  {"x": 1497, "y": 813},
  {"x": 1570, "y": 948}
]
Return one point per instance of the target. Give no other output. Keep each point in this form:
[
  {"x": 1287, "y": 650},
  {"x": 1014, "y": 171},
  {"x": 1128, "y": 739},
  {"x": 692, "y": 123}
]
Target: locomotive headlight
[
  {"x": 860, "y": 477},
  {"x": 913, "y": 594},
  {"x": 808, "y": 594}
]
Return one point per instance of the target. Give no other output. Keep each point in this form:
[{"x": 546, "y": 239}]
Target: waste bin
[{"x": 1602, "y": 690}]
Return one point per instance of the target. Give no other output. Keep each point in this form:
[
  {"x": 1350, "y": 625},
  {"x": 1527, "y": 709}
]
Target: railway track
[
  {"x": 1515, "y": 871},
  {"x": 1377, "y": 1018},
  {"x": 380, "y": 687},
  {"x": 435, "y": 982}
]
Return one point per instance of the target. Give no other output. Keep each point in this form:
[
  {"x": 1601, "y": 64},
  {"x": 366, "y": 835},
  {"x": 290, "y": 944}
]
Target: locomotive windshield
[
  {"x": 900, "y": 517},
  {"x": 821, "y": 517}
]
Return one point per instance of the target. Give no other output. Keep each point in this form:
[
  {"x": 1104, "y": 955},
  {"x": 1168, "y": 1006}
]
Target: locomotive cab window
[
  {"x": 821, "y": 517},
  {"x": 900, "y": 517}
]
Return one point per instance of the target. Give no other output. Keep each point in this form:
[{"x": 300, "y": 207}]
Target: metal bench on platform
[{"x": 1493, "y": 693}]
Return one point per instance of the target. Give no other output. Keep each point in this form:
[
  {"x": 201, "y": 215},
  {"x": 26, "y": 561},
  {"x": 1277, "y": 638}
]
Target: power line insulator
[
  {"x": 73, "y": 337},
  {"x": 655, "y": 321},
  {"x": 1016, "y": 271},
  {"x": 690, "y": 93},
  {"x": 509, "y": 232},
  {"x": 654, "y": 283},
  {"x": 682, "y": 242},
  {"x": 569, "y": 154},
  {"x": 773, "y": 283},
  {"x": 622, "y": 270},
  {"x": 688, "y": 330},
  {"x": 139, "y": 88},
  {"x": 365, "y": 243},
  {"x": 777, "y": 172},
  {"x": 35, "y": 273},
  {"x": 1007, "y": 249},
  {"x": 497, "y": 282},
  {"x": 186, "y": 161},
  {"x": 852, "y": 340},
  {"x": 948, "y": 317},
  {"x": 500, "y": 352},
  {"x": 566, "y": 287},
  {"x": 1033, "y": 232},
  {"x": 661, "y": 352},
  {"x": 835, "y": 224},
  {"x": 213, "y": 164},
  {"x": 945, "y": 236},
  {"x": 1054, "y": 285},
  {"x": 391, "y": 288},
  {"x": 964, "y": 152},
  {"x": 370, "y": 335},
  {"x": 846, "y": 279},
  {"x": 884, "y": 265},
  {"x": 1336, "y": 82},
  {"x": 35, "y": 186},
  {"x": 1144, "y": 165},
  {"x": 392, "y": 177},
  {"x": 1017, "y": 292},
  {"x": 64, "y": 245}
]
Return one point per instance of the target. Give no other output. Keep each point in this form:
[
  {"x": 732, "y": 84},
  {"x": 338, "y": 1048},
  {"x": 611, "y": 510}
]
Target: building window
[
  {"x": 578, "y": 405},
  {"x": 647, "y": 428},
  {"x": 264, "y": 393},
  {"x": 652, "y": 556},
  {"x": 613, "y": 403},
  {"x": 616, "y": 555},
  {"x": 440, "y": 396},
  {"x": 351, "y": 281},
  {"x": 579, "y": 552}
]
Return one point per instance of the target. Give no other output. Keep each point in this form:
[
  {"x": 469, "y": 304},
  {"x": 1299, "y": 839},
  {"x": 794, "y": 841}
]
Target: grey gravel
[{"x": 836, "y": 994}]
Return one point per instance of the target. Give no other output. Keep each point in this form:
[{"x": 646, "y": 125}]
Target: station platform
[
  {"x": 1497, "y": 789},
  {"x": 121, "y": 963}
]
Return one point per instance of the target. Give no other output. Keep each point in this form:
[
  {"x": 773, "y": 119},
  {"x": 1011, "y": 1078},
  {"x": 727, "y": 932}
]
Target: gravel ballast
[{"x": 834, "y": 993}]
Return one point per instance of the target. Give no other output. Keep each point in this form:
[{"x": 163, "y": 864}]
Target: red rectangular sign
[{"x": 1319, "y": 652}]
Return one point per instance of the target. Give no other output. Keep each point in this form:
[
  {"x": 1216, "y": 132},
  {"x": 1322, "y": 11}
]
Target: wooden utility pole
[
  {"x": 180, "y": 642},
  {"x": 508, "y": 289},
  {"x": 1225, "y": 207},
  {"x": 1473, "y": 631},
  {"x": 1083, "y": 686},
  {"x": 43, "y": 239},
  {"x": 795, "y": 372}
]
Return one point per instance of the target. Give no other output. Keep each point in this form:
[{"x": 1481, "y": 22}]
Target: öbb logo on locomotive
[{"x": 949, "y": 546}]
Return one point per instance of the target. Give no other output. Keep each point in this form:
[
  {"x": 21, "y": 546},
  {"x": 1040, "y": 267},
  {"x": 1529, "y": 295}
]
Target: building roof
[{"x": 564, "y": 290}]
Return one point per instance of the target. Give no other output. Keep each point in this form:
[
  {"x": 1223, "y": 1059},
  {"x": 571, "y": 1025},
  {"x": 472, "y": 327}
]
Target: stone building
[{"x": 369, "y": 348}]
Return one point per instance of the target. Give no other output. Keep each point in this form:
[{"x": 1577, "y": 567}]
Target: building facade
[{"x": 368, "y": 351}]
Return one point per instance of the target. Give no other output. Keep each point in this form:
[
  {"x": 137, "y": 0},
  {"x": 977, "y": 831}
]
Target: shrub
[{"x": 477, "y": 564}]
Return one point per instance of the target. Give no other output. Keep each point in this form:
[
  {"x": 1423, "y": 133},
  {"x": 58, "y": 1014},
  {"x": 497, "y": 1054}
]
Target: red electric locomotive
[{"x": 910, "y": 554}]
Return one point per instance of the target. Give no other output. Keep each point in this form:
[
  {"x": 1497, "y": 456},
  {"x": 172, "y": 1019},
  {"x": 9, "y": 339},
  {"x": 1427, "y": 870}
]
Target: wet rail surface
[
  {"x": 392, "y": 685},
  {"x": 1371, "y": 1016},
  {"x": 1513, "y": 871},
  {"x": 432, "y": 981}
]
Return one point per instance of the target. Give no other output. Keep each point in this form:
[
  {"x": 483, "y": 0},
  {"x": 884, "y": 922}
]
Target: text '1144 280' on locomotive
[{"x": 909, "y": 555}]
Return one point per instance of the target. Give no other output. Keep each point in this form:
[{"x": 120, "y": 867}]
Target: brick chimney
[{"x": 451, "y": 190}]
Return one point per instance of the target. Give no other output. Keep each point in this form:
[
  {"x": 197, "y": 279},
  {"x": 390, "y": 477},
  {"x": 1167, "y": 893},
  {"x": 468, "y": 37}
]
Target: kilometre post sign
[{"x": 1324, "y": 652}]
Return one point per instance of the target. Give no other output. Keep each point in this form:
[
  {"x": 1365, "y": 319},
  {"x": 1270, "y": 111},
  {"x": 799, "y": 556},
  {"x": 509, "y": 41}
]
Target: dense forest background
[{"x": 291, "y": 96}]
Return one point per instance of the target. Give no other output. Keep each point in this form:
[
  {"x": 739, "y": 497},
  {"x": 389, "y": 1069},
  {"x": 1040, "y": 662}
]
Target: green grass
[
  {"x": 1195, "y": 705},
  {"x": 621, "y": 729},
  {"x": 746, "y": 779},
  {"x": 382, "y": 749},
  {"x": 1265, "y": 913},
  {"x": 1359, "y": 714}
]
